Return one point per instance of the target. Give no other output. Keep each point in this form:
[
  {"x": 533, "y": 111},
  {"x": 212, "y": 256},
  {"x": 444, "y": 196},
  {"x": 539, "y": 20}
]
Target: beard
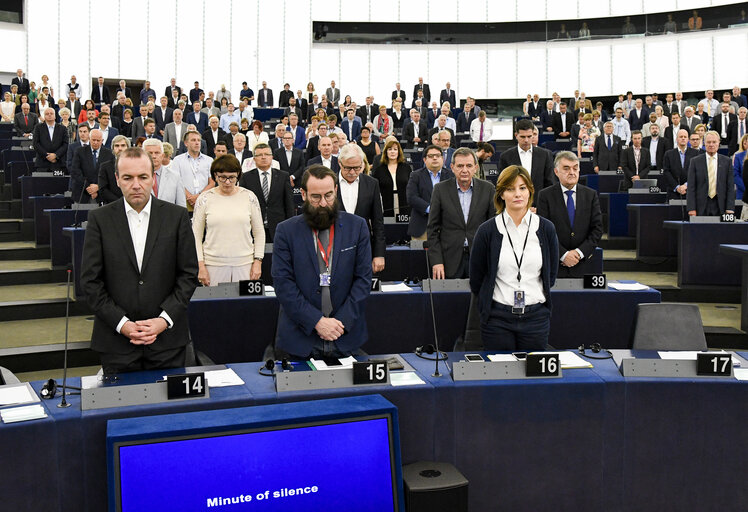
[{"x": 320, "y": 217}]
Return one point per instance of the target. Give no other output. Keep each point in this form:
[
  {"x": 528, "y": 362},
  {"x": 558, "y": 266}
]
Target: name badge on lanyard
[{"x": 324, "y": 277}]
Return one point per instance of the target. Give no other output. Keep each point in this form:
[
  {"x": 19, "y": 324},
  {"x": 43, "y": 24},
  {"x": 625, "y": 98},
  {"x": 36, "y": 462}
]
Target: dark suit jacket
[
  {"x": 604, "y": 158},
  {"x": 453, "y": 142},
  {"x": 542, "y": 166},
  {"x": 463, "y": 121},
  {"x": 534, "y": 111},
  {"x": 22, "y": 83},
  {"x": 733, "y": 136},
  {"x": 210, "y": 144},
  {"x": 283, "y": 97},
  {"x": 317, "y": 160},
  {"x": 402, "y": 96},
  {"x": 546, "y": 119},
  {"x": 74, "y": 108},
  {"x": 295, "y": 273},
  {"x": 19, "y": 123},
  {"x": 628, "y": 165},
  {"x": 587, "y": 230},
  {"x": 374, "y": 111},
  {"x": 167, "y": 93},
  {"x": 109, "y": 191},
  {"x": 356, "y": 128},
  {"x": 558, "y": 125},
  {"x": 369, "y": 207},
  {"x": 58, "y": 145},
  {"x": 698, "y": 184},
  {"x": 668, "y": 134},
  {"x": 312, "y": 149},
  {"x": 261, "y": 100},
  {"x": 675, "y": 173},
  {"x": 279, "y": 205},
  {"x": 695, "y": 120},
  {"x": 296, "y": 169},
  {"x": 451, "y": 98},
  {"x": 423, "y": 134},
  {"x": 637, "y": 121},
  {"x": 72, "y": 148},
  {"x": 431, "y": 116},
  {"x": 426, "y": 91},
  {"x": 402, "y": 175},
  {"x": 100, "y": 99},
  {"x": 202, "y": 125},
  {"x": 661, "y": 148},
  {"x": 114, "y": 287},
  {"x": 84, "y": 172},
  {"x": 162, "y": 118},
  {"x": 419, "y": 192},
  {"x": 447, "y": 229},
  {"x": 717, "y": 124}
]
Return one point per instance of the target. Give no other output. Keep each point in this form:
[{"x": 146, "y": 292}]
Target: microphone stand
[
  {"x": 433, "y": 315},
  {"x": 64, "y": 403}
]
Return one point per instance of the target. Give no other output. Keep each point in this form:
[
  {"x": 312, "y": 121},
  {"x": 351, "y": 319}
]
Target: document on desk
[
  {"x": 25, "y": 413},
  {"x": 740, "y": 373},
  {"x": 688, "y": 355},
  {"x": 346, "y": 363},
  {"x": 399, "y": 287},
  {"x": 501, "y": 358},
  {"x": 629, "y": 287},
  {"x": 13, "y": 394},
  {"x": 222, "y": 378},
  {"x": 405, "y": 379},
  {"x": 570, "y": 361}
]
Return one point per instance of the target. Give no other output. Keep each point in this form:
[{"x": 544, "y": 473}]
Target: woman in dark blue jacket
[{"x": 513, "y": 265}]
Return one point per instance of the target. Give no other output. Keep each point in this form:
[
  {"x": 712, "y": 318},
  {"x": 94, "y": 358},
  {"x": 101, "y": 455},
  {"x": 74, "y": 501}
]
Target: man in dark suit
[
  {"x": 675, "y": 166},
  {"x": 563, "y": 121},
  {"x": 265, "y": 96},
  {"x": 575, "y": 212},
  {"x": 638, "y": 116},
  {"x": 656, "y": 146},
  {"x": 416, "y": 132},
  {"x": 100, "y": 92},
  {"x": 368, "y": 111},
  {"x": 21, "y": 82},
  {"x": 81, "y": 140},
  {"x": 25, "y": 121},
  {"x": 195, "y": 93},
  {"x": 607, "y": 152},
  {"x": 722, "y": 122},
  {"x": 322, "y": 309},
  {"x": 351, "y": 126},
  {"x": 635, "y": 161},
  {"x": 546, "y": 117},
  {"x": 449, "y": 95},
  {"x": 441, "y": 126},
  {"x": 139, "y": 289},
  {"x": 539, "y": 161},
  {"x": 711, "y": 185},
  {"x": 291, "y": 160},
  {"x": 84, "y": 173},
  {"x": 433, "y": 114},
  {"x": 124, "y": 90},
  {"x": 50, "y": 143},
  {"x": 312, "y": 148},
  {"x": 420, "y": 187},
  {"x": 272, "y": 188},
  {"x": 359, "y": 194},
  {"x": 74, "y": 105},
  {"x": 458, "y": 207},
  {"x": 420, "y": 86},
  {"x": 212, "y": 135},
  {"x": 736, "y": 131},
  {"x": 170, "y": 89},
  {"x": 534, "y": 108},
  {"x": 671, "y": 132},
  {"x": 398, "y": 93},
  {"x": 466, "y": 117},
  {"x": 325, "y": 156},
  {"x": 163, "y": 114},
  {"x": 198, "y": 118}
]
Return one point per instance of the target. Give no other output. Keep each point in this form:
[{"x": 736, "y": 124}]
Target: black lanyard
[{"x": 519, "y": 261}]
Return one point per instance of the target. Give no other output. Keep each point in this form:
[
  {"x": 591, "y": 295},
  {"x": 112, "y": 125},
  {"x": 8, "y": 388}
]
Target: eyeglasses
[
  {"x": 350, "y": 169},
  {"x": 316, "y": 198},
  {"x": 434, "y": 155},
  {"x": 224, "y": 179},
  {"x": 263, "y": 155}
]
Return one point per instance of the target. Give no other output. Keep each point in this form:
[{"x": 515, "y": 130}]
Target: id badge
[
  {"x": 519, "y": 302},
  {"x": 324, "y": 279}
]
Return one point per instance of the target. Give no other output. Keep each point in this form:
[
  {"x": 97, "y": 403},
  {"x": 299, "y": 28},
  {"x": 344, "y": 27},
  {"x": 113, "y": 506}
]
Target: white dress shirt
[
  {"x": 532, "y": 261},
  {"x": 525, "y": 158},
  {"x": 349, "y": 193}
]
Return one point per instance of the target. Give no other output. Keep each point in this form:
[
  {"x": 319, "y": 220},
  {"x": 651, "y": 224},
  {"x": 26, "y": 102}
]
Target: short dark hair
[
  {"x": 430, "y": 147},
  {"x": 320, "y": 172},
  {"x": 148, "y": 121},
  {"x": 523, "y": 124},
  {"x": 225, "y": 163},
  {"x": 262, "y": 145},
  {"x": 132, "y": 152},
  {"x": 486, "y": 147}
]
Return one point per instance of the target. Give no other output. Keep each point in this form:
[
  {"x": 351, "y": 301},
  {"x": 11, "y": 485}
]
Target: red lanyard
[{"x": 326, "y": 253}]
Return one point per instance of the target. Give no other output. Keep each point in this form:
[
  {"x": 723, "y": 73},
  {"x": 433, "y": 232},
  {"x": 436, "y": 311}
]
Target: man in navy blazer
[
  {"x": 265, "y": 96},
  {"x": 466, "y": 117},
  {"x": 420, "y": 186},
  {"x": 322, "y": 308},
  {"x": 351, "y": 126},
  {"x": 198, "y": 118},
  {"x": 675, "y": 166},
  {"x": 294, "y": 167},
  {"x": 700, "y": 200},
  {"x": 449, "y": 95},
  {"x": 50, "y": 142}
]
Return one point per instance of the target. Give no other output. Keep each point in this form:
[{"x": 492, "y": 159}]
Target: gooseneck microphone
[
  {"x": 64, "y": 401},
  {"x": 433, "y": 315}
]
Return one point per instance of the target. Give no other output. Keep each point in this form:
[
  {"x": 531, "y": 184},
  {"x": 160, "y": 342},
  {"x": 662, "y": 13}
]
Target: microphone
[
  {"x": 64, "y": 403},
  {"x": 433, "y": 316},
  {"x": 83, "y": 191}
]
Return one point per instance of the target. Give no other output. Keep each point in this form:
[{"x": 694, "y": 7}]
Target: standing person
[
  {"x": 711, "y": 185},
  {"x": 322, "y": 306},
  {"x": 194, "y": 169},
  {"x": 420, "y": 187},
  {"x": 229, "y": 220},
  {"x": 393, "y": 174},
  {"x": 50, "y": 142},
  {"x": 139, "y": 283},
  {"x": 513, "y": 266}
]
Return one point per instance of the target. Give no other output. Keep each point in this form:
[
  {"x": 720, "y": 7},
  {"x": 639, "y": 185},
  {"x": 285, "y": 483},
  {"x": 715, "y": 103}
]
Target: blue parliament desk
[
  {"x": 59, "y": 245},
  {"x": 401, "y": 321},
  {"x": 605, "y": 182},
  {"x": 615, "y": 205},
  {"x": 39, "y": 186},
  {"x": 267, "y": 113},
  {"x": 740, "y": 251},
  {"x": 41, "y": 224},
  {"x": 646, "y": 224},
  {"x": 700, "y": 262}
]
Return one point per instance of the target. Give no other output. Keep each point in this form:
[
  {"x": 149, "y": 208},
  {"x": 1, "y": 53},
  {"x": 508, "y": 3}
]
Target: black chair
[{"x": 668, "y": 326}]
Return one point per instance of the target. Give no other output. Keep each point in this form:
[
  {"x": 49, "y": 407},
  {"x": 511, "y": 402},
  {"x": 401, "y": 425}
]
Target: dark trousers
[
  {"x": 144, "y": 358},
  {"x": 463, "y": 269},
  {"x": 508, "y": 331},
  {"x": 712, "y": 206}
]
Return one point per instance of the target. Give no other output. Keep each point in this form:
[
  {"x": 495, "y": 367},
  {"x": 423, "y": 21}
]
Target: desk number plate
[
  {"x": 727, "y": 217},
  {"x": 186, "y": 385},
  {"x": 376, "y": 284},
  {"x": 402, "y": 218},
  {"x": 253, "y": 287},
  {"x": 542, "y": 365},
  {"x": 595, "y": 281},
  {"x": 717, "y": 365},
  {"x": 370, "y": 372}
]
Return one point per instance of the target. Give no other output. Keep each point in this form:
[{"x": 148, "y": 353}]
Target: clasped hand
[
  {"x": 329, "y": 329},
  {"x": 144, "y": 332}
]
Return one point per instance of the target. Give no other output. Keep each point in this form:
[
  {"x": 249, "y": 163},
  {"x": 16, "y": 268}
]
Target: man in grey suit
[
  {"x": 174, "y": 131},
  {"x": 167, "y": 183},
  {"x": 458, "y": 207},
  {"x": 711, "y": 186},
  {"x": 333, "y": 94},
  {"x": 138, "y": 129},
  {"x": 536, "y": 160}
]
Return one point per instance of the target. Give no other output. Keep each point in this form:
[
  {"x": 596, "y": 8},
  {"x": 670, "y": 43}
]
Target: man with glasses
[
  {"x": 322, "y": 306},
  {"x": 420, "y": 186},
  {"x": 290, "y": 159},
  {"x": 272, "y": 188},
  {"x": 359, "y": 193}
]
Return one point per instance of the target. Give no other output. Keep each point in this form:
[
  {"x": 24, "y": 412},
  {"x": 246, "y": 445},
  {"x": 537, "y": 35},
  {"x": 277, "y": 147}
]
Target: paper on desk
[
  {"x": 569, "y": 360},
  {"x": 740, "y": 373},
  {"x": 345, "y": 363},
  {"x": 223, "y": 378},
  {"x": 17, "y": 394},
  {"x": 501, "y": 358},
  {"x": 405, "y": 379},
  {"x": 400, "y": 287},
  {"x": 627, "y": 286},
  {"x": 25, "y": 413},
  {"x": 690, "y": 355}
]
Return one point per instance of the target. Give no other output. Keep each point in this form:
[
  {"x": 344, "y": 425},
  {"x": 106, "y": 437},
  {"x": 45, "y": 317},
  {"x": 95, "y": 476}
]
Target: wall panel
[{"x": 502, "y": 72}]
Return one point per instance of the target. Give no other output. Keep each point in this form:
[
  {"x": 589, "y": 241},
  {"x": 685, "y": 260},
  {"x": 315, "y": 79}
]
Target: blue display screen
[{"x": 343, "y": 466}]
